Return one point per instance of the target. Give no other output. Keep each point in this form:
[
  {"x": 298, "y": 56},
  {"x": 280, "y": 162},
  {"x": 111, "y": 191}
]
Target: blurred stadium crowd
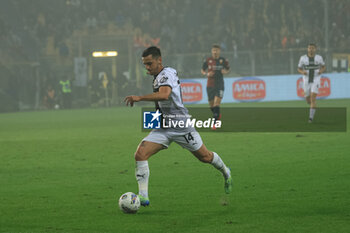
[
  {"x": 182, "y": 26},
  {"x": 32, "y": 30}
]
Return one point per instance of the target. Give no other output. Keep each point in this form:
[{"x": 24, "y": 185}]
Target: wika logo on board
[
  {"x": 323, "y": 91},
  {"x": 191, "y": 91},
  {"x": 249, "y": 89}
]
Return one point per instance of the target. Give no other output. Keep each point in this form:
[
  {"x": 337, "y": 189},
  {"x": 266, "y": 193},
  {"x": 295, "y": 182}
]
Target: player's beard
[{"x": 155, "y": 71}]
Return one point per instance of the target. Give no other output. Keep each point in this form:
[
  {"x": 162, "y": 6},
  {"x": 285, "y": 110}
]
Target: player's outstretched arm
[
  {"x": 163, "y": 94},
  {"x": 131, "y": 99}
]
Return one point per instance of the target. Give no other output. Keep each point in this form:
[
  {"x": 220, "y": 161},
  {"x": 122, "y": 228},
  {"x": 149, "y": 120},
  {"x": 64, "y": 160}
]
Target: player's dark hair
[
  {"x": 312, "y": 44},
  {"x": 153, "y": 50},
  {"x": 216, "y": 46}
]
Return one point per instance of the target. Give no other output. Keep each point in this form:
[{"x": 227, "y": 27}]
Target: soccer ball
[{"x": 129, "y": 203}]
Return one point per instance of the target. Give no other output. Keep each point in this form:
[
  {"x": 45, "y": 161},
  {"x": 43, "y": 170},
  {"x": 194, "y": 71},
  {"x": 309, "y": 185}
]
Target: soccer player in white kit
[
  {"x": 311, "y": 66},
  {"x": 167, "y": 96}
]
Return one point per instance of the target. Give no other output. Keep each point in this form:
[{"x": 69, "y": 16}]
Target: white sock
[
  {"x": 219, "y": 164},
  {"x": 312, "y": 113},
  {"x": 142, "y": 175}
]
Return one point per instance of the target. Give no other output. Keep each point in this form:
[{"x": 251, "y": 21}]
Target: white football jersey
[
  {"x": 174, "y": 105},
  {"x": 312, "y": 66}
]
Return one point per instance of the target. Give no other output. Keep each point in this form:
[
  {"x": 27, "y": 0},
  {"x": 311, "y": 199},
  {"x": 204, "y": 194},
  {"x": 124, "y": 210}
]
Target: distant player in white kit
[
  {"x": 311, "y": 66},
  {"x": 167, "y": 96}
]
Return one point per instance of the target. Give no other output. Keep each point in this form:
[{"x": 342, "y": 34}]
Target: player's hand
[
  {"x": 305, "y": 73},
  {"x": 224, "y": 71},
  {"x": 131, "y": 100},
  {"x": 211, "y": 73}
]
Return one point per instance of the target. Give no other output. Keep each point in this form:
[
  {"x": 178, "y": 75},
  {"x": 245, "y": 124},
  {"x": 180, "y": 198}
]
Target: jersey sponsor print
[
  {"x": 249, "y": 89},
  {"x": 324, "y": 89},
  {"x": 192, "y": 91}
]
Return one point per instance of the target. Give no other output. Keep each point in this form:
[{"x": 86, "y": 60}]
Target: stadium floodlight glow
[
  {"x": 97, "y": 54},
  {"x": 112, "y": 53},
  {"x": 105, "y": 54}
]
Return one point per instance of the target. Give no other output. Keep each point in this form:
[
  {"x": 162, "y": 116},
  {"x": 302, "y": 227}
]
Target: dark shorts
[{"x": 214, "y": 91}]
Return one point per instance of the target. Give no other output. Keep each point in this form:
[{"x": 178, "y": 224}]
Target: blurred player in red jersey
[{"x": 214, "y": 68}]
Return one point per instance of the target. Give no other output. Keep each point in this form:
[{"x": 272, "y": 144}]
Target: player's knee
[
  {"x": 308, "y": 100},
  {"x": 140, "y": 155}
]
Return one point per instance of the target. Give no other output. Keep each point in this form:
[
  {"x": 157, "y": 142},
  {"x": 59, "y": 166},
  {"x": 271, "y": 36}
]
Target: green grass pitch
[{"x": 63, "y": 171}]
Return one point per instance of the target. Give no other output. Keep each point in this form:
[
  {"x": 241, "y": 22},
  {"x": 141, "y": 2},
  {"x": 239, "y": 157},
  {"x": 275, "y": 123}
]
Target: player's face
[
  {"x": 311, "y": 50},
  {"x": 215, "y": 53},
  {"x": 152, "y": 65}
]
